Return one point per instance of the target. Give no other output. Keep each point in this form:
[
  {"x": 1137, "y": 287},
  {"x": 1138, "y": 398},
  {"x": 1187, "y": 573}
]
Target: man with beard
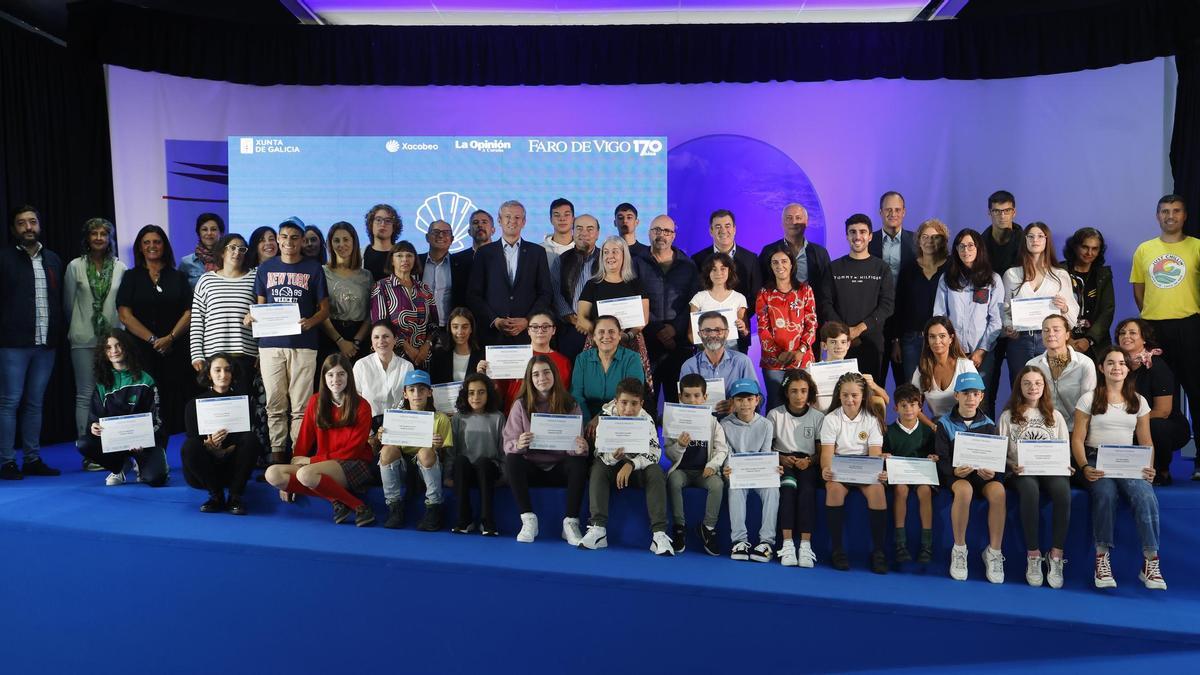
[
  {"x": 32, "y": 315},
  {"x": 810, "y": 259},
  {"x": 860, "y": 294},
  {"x": 481, "y": 231},
  {"x": 568, "y": 274},
  {"x": 670, "y": 279},
  {"x": 717, "y": 362}
]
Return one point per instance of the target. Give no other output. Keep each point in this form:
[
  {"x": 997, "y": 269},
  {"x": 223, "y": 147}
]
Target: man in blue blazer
[
  {"x": 896, "y": 247},
  {"x": 509, "y": 280}
]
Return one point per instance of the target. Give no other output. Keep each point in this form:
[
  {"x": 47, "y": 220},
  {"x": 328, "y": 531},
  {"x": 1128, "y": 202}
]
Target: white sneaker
[
  {"x": 787, "y": 554},
  {"x": 1033, "y": 570},
  {"x": 595, "y": 537},
  {"x": 529, "y": 528},
  {"x": 115, "y": 479},
  {"x": 993, "y": 563},
  {"x": 805, "y": 556},
  {"x": 1151, "y": 576},
  {"x": 1104, "y": 577},
  {"x": 570, "y": 531},
  {"x": 661, "y": 544},
  {"x": 958, "y": 563},
  {"x": 1054, "y": 577}
]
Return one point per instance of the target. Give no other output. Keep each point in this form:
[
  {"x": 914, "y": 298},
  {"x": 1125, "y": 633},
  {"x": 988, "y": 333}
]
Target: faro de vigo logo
[
  {"x": 1167, "y": 271},
  {"x": 451, "y": 207}
]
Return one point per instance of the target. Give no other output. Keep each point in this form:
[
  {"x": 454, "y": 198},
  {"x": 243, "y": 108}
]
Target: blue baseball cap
[
  {"x": 968, "y": 381},
  {"x": 415, "y": 377},
  {"x": 743, "y": 387}
]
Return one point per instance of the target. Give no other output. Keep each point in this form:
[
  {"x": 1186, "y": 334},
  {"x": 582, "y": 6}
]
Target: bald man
[
  {"x": 810, "y": 259},
  {"x": 436, "y": 265},
  {"x": 670, "y": 279}
]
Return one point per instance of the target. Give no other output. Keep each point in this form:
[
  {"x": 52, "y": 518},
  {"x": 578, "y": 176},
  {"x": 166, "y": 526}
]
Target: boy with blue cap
[
  {"x": 746, "y": 431},
  {"x": 396, "y": 460},
  {"x": 965, "y": 482}
]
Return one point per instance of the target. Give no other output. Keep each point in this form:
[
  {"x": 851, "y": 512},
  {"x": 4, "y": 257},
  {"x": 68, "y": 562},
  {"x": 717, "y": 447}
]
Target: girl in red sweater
[{"x": 331, "y": 458}]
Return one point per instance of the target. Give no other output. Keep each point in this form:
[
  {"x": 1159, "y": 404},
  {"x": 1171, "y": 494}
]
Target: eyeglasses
[
  {"x": 966, "y": 246},
  {"x": 713, "y": 331},
  {"x": 439, "y": 233},
  {"x": 662, "y": 230},
  {"x": 931, "y": 237},
  {"x": 236, "y": 248},
  {"x": 540, "y": 327},
  {"x": 1003, "y": 212},
  {"x": 385, "y": 219}
]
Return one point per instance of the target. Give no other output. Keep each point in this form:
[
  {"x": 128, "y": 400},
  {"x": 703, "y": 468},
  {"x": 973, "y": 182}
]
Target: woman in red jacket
[
  {"x": 787, "y": 324},
  {"x": 337, "y": 423}
]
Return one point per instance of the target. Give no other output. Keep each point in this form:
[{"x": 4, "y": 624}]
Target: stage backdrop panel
[{"x": 1077, "y": 149}]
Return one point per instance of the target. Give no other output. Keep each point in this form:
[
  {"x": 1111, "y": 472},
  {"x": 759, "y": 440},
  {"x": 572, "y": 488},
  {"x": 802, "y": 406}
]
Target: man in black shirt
[
  {"x": 1002, "y": 239},
  {"x": 482, "y": 227},
  {"x": 670, "y": 279},
  {"x": 860, "y": 294}
]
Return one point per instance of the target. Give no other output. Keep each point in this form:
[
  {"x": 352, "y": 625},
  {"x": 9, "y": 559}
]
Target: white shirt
[
  {"x": 1114, "y": 427},
  {"x": 554, "y": 249},
  {"x": 1078, "y": 378},
  {"x": 850, "y": 436},
  {"x": 458, "y": 367},
  {"x": 382, "y": 388},
  {"x": 942, "y": 401},
  {"x": 1055, "y": 282}
]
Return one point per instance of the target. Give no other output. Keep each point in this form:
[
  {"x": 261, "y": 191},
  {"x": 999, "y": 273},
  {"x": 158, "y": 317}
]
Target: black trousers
[
  {"x": 482, "y": 473},
  {"x": 1168, "y": 435},
  {"x": 206, "y": 471},
  {"x": 571, "y": 472},
  {"x": 869, "y": 352},
  {"x": 1177, "y": 338},
  {"x": 798, "y": 498},
  {"x": 152, "y": 462}
]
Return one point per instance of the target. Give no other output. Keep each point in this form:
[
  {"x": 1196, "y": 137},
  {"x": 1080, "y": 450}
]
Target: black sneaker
[
  {"x": 488, "y": 528},
  {"x": 902, "y": 554},
  {"x": 464, "y": 525},
  {"x": 215, "y": 504},
  {"x": 341, "y": 513},
  {"x": 925, "y": 555},
  {"x": 364, "y": 516},
  {"x": 839, "y": 559},
  {"x": 39, "y": 468},
  {"x": 432, "y": 520},
  {"x": 879, "y": 563},
  {"x": 679, "y": 539},
  {"x": 708, "y": 538},
  {"x": 89, "y": 465},
  {"x": 9, "y": 471},
  {"x": 235, "y": 506},
  {"x": 395, "y": 519}
]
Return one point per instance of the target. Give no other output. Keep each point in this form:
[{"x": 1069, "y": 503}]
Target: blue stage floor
[{"x": 135, "y": 579}]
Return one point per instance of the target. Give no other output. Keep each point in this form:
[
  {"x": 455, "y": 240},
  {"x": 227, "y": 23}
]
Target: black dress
[{"x": 159, "y": 308}]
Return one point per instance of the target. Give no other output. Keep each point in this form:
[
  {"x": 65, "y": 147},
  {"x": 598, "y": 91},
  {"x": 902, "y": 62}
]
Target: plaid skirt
[{"x": 358, "y": 474}]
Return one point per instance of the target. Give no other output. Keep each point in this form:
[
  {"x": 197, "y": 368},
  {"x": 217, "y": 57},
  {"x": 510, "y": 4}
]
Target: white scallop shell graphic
[
  {"x": 451, "y": 207},
  {"x": 392, "y": 146}
]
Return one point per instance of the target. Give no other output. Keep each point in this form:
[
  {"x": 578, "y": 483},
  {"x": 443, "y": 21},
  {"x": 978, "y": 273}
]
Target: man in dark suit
[
  {"x": 509, "y": 280},
  {"x": 810, "y": 260},
  {"x": 723, "y": 229},
  {"x": 481, "y": 230},
  {"x": 894, "y": 245}
]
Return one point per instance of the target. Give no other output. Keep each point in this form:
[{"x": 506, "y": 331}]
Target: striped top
[{"x": 219, "y": 305}]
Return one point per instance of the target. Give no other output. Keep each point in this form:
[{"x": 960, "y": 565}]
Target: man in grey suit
[{"x": 895, "y": 246}]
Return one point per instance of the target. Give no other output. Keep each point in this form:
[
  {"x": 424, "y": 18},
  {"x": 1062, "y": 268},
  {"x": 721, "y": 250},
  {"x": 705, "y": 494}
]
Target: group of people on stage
[{"x": 381, "y": 325}]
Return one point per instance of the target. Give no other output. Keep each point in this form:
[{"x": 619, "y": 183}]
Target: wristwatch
[{"x": 151, "y": 339}]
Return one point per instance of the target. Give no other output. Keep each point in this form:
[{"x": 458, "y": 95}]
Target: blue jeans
[
  {"x": 1022, "y": 348},
  {"x": 395, "y": 476},
  {"x": 1104, "y": 508},
  {"x": 24, "y": 374},
  {"x": 910, "y": 355},
  {"x": 737, "y": 514},
  {"x": 774, "y": 380}
]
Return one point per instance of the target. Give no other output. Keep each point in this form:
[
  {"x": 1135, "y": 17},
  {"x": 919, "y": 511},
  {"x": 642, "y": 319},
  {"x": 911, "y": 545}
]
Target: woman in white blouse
[
  {"x": 90, "y": 287},
  {"x": 1113, "y": 413},
  {"x": 379, "y": 377},
  {"x": 942, "y": 361},
  {"x": 1069, "y": 374},
  {"x": 1037, "y": 276}
]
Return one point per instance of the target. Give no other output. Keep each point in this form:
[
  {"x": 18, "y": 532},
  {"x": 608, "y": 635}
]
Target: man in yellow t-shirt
[{"x": 1166, "y": 286}]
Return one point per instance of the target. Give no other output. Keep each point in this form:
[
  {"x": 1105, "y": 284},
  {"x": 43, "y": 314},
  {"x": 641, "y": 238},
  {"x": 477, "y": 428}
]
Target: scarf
[
  {"x": 207, "y": 257},
  {"x": 101, "y": 283},
  {"x": 1143, "y": 357}
]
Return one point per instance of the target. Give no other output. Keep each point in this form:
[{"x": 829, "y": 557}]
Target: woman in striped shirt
[
  {"x": 221, "y": 300},
  {"x": 405, "y": 300}
]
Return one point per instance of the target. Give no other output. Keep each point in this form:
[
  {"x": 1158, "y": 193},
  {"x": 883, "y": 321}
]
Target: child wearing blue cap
[
  {"x": 747, "y": 431},
  {"x": 965, "y": 482},
  {"x": 396, "y": 460}
]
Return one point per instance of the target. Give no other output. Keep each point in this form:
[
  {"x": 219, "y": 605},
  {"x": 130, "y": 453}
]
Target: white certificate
[
  {"x": 412, "y": 428},
  {"x": 231, "y": 413},
  {"x": 627, "y": 310},
  {"x": 1028, "y": 313},
  {"x": 911, "y": 471},
  {"x": 275, "y": 320},
  {"x": 631, "y": 433},
  {"x": 508, "y": 362},
  {"x": 753, "y": 470},
  {"x": 554, "y": 432},
  {"x": 730, "y": 316},
  {"x": 857, "y": 469},
  {"x": 445, "y": 396},
  {"x": 827, "y": 373},
  {"x": 696, "y": 420},
  {"x": 1044, "y": 458},
  {"x": 980, "y": 451},
  {"x": 127, "y": 432},
  {"x": 1123, "y": 461}
]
